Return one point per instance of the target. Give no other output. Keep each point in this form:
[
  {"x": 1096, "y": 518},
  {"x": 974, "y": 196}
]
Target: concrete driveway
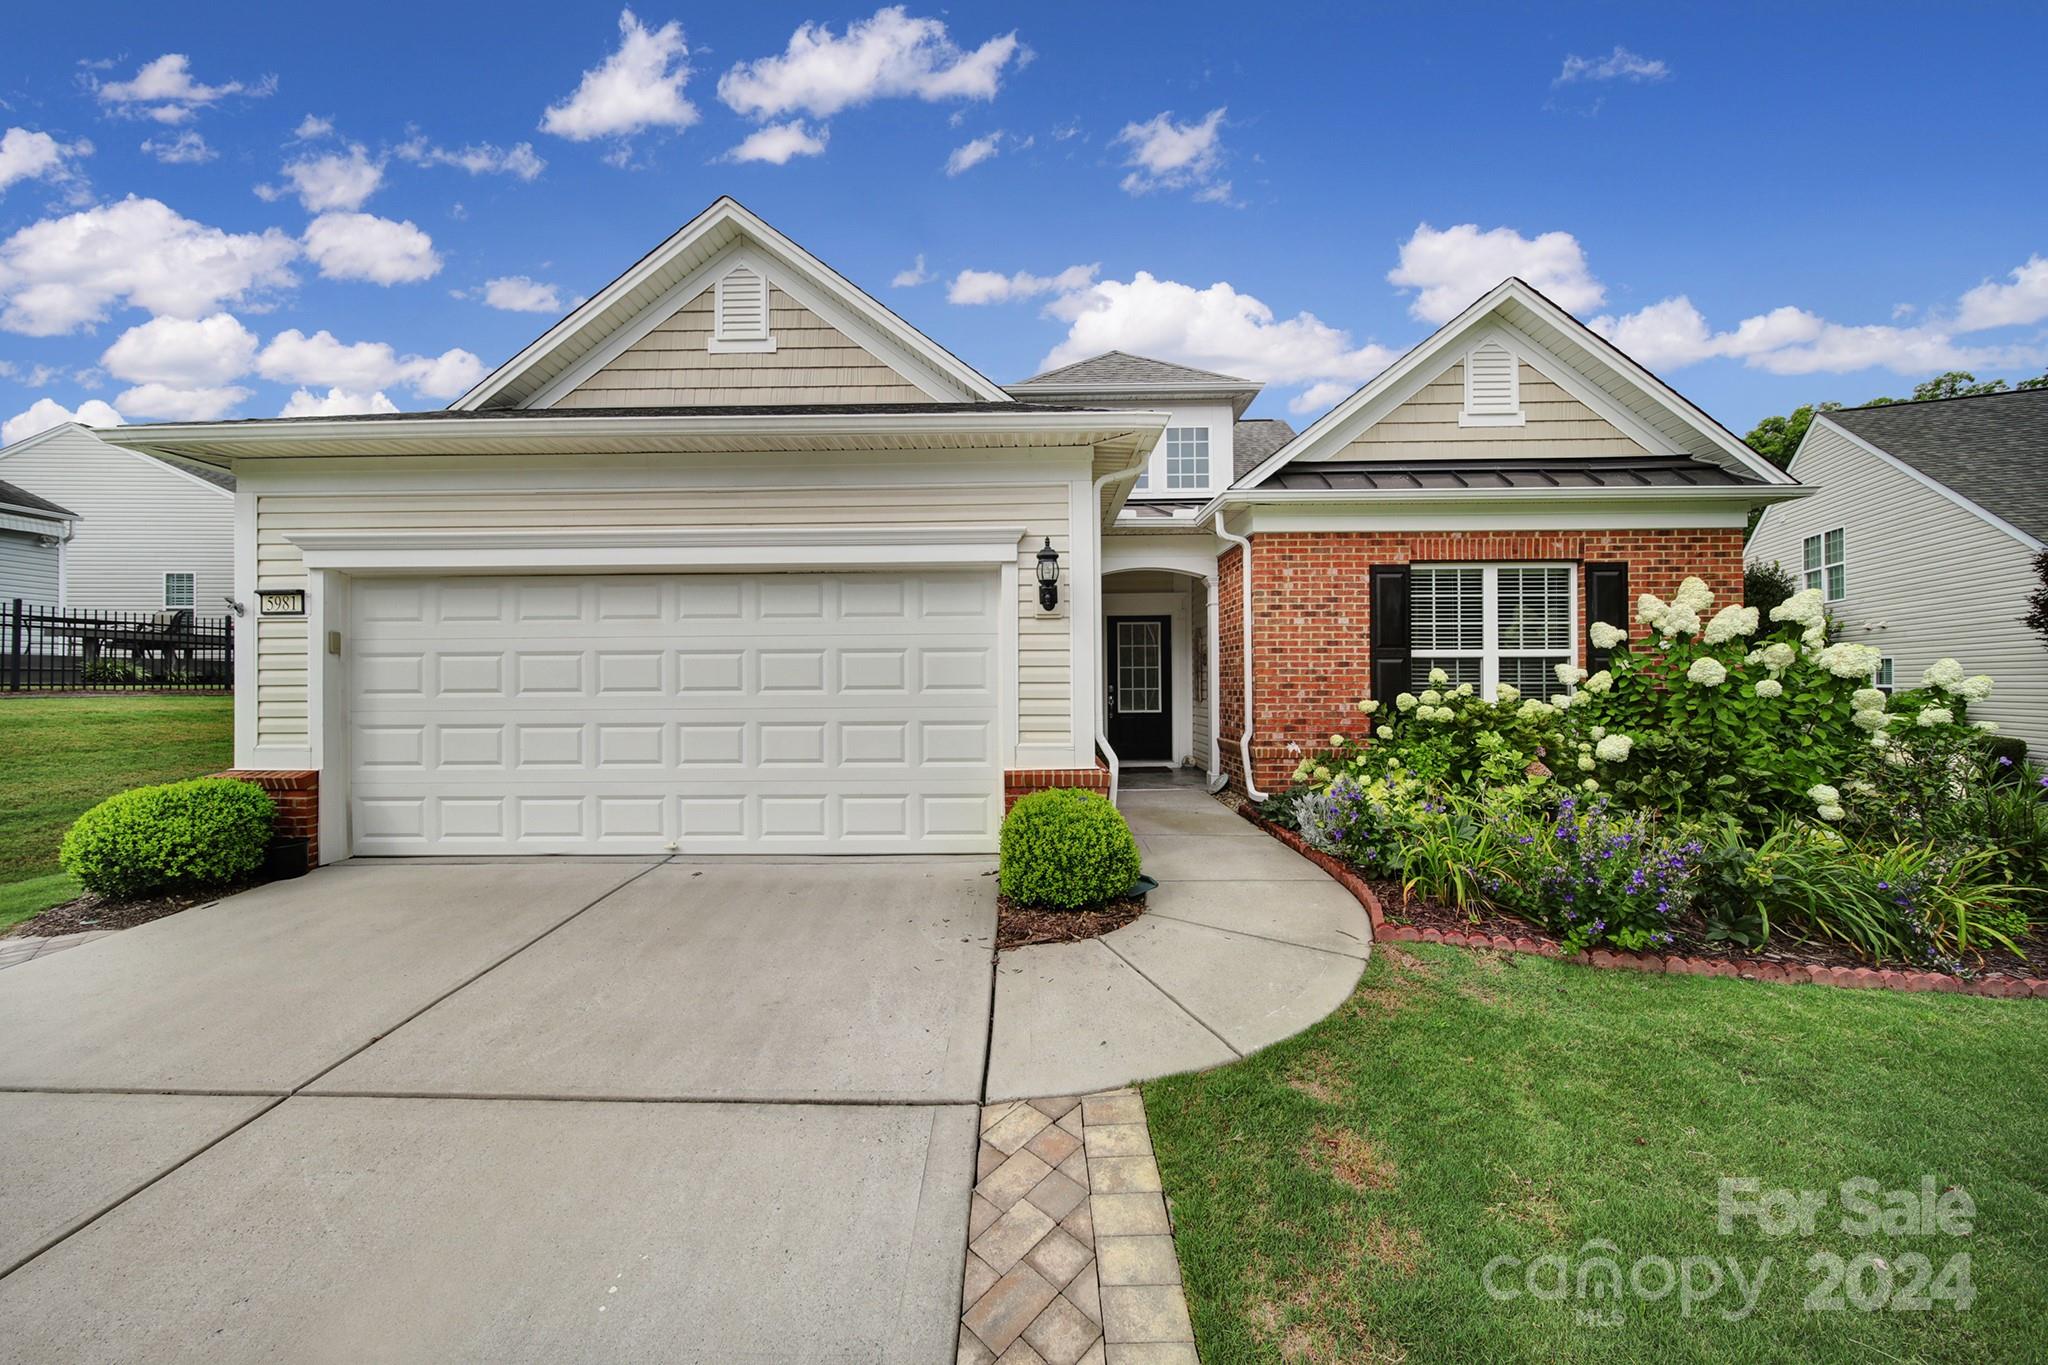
[{"x": 593, "y": 1109}]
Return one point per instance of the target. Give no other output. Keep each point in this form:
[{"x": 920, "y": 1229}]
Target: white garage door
[{"x": 815, "y": 713}]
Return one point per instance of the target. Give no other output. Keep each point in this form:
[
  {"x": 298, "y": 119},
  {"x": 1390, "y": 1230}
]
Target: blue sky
[{"x": 1767, "y": 204}]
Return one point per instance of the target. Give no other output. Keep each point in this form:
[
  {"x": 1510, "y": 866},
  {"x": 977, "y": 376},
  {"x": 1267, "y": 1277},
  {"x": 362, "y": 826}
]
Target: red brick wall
[
  {"x": 1312, "y": 607},
  {"x": 1024, "y": 781},
  {"x": 297, "y": 794}
]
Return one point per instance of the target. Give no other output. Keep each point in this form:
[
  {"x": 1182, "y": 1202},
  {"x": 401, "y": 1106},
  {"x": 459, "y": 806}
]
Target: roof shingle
[
  {"x": 14, "y": 495},
  {"x": 1120, "y": 367},
  {"x": 1992, "y": 449},
  {"x": 1253, "y": 441}
]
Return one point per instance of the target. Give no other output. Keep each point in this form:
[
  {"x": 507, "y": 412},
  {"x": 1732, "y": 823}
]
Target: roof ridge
[{"x": 1875, "y": 405}]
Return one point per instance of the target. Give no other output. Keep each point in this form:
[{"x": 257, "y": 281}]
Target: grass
[
  {"x": 1337, "y": 1197},
  {"x": 63, "y": 755}
]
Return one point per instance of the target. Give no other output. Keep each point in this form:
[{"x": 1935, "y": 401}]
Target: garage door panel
[{"x": 718, "y": 713}]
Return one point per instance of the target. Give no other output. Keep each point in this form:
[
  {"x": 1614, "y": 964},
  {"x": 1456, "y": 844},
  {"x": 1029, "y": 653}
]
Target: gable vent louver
[
  {"x": 741, "y": 306},
  {"x": 1493, "y": 387}
]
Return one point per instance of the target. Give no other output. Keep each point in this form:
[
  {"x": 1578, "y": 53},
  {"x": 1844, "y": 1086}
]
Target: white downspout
[
  {"x": 1101, "y": 679},
  {"x": 1244, "y": 741},
  {"x": 1218, "y": 778}
]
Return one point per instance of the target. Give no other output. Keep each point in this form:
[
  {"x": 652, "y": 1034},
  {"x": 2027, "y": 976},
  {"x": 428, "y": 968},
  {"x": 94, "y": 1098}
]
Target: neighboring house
[
  {"x": 733, "y": 559},
  {"x": 1921, "y": 535},
  {"x": 33, "y": 533},
  {"x": 152, "y": 533}
]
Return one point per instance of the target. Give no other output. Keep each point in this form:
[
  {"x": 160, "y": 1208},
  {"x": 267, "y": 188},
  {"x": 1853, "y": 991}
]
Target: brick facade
[
  {"x": 1312, "y": 610},
  {"x": 1024, "y": 781},
  {"x": 297, "y": 795}
]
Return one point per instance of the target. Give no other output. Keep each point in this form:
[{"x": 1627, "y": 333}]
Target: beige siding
[
  {"x": 1426, "y": 426},
  {"x": 813, "y": 362},
  {"x": 1927, "y": 579},
  {"x": 1044, "y": 666}
]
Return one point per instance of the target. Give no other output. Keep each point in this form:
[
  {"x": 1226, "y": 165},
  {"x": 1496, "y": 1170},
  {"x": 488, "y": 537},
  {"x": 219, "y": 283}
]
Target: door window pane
[{"x": 1138, "y": 668}]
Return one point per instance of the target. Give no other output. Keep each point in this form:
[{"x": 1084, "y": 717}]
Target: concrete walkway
[
  {"x": 15, "y": 951},
  {"x": 1243, "y": 944}
]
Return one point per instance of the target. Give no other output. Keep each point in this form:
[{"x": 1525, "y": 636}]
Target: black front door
[{"x": 1141, "y": 688}]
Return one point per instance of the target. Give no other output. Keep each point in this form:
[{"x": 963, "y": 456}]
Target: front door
[{"x": 1140, "y": 688}]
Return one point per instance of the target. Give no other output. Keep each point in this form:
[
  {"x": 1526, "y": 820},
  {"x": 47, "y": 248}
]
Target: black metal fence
[{"x": 45, "y": 649}]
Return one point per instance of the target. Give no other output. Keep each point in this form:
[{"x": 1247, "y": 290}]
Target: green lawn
[
  {"x": 62, "y": 755},
  {"x": 1338, "y": 1197}
]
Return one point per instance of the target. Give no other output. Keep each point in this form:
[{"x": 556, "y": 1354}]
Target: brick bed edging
[{"x": 1852, "y": 978}]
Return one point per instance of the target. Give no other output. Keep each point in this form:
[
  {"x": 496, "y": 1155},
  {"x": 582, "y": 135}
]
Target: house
[
  {"x": 733, "y": 559},
  {"x": 33, "y": 534},
  {"x": 151, "y": 533},
  {"x": 1922, "y": 535}
]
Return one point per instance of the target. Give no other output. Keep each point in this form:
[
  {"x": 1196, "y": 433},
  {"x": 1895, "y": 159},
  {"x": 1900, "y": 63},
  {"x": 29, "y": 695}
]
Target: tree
[
  {"x": 2037, "y": 601},
  {"x": 1766, "y": 585},
  {"x": 1776, "y": 438}
]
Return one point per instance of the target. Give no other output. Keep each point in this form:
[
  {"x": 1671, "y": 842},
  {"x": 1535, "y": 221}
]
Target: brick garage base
[
  {"x": 297, "y": 794},
  {"x": 1856, "y": 978},
  {"x": 1024, "y": 781}
]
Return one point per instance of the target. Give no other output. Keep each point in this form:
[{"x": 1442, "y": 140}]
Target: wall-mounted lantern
[{"x": 1048, "y": 576}]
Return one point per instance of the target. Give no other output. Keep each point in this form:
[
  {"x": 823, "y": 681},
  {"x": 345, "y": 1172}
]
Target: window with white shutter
[
  {"x": 1493, "y": 387},
  {"x": 1489, "y": 624},
  {"x": 741, "y": 307}
]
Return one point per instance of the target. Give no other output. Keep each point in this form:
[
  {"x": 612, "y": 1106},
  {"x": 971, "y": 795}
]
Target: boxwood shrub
[
  {"x": 1066, "y": 849},
  {"x": 209, "y": 831}
]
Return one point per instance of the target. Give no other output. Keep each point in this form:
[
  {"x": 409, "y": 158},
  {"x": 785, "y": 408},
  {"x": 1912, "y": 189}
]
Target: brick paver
[
  {"x": 15, "y": 951},
  {"x": 1070, "y": 1255}
]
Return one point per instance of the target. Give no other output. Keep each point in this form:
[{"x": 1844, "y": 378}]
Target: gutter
[
  {"x": 1244, "y": 741},
  {"x": 1748, "y": 494}
]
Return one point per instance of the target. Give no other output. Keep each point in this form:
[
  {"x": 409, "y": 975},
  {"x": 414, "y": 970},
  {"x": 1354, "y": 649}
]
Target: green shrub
[
  {"x": 1066, "y": 849},
  {"x": 183, "y": 835},
  {"x": 112, "y": 673}
]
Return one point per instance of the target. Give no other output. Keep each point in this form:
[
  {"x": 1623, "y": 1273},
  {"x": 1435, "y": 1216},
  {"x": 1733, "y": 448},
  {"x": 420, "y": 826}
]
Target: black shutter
[
  {"x": 1606, "y": 602},
  {"x": 1390, "y": 646}
]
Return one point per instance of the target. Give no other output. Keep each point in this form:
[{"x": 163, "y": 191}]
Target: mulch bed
[
  {"x": 90, "y": 912},
  {"x": 1020, "y": 925}
]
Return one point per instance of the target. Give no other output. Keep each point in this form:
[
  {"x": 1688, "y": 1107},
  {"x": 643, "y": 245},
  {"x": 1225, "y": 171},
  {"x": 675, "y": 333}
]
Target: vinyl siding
[
  {"x": 138, "y": 520},
  {"x": 1927, "y": 579},
  {"x": 28, "y": 570},
  {"x": 1426, "y": 426},
  {"x": 813, "y": 362},
  {"x": 1044, "y": 665}
]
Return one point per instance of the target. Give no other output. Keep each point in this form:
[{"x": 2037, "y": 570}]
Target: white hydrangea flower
[
  {"x": 1694, "y": 594},
  {"x": 1936, "y": 715},
  {"x": 1585, "y": 763},
  {"x": 1821, "y": 794},
  {"x": 1438, "y": 677},
  {"x": 1385, "y": 732},
  {"x": 1867, "y": 699},
  {"x": 1431, "y": 697},
  {"x": 1871, "y": 720},
  {"x": 1848, "y": 660},
  {"x": 1322, "y": 774},
  {"x": 1803, "y": 607},
  {"x": 1599, "y": 682},
  {"x": 1677, "y": 620},
  {"x": 1650, "y": 608},
  {"x": 1533, "y": 707},
  {"x": 1564, "y": 700},
  {"x": 1507, "y": 694},
  {"x": 1945, "y": 674},
  {"x": 1730, "y": 623},
  {"x": 1707, "y": 672},
  {"x": 1570, "y": 674},
  {"x": 1768, "y": 688},
  {"x": 1590, "y": 785},
  {"x": 1605, "y": 636},
  {"x": 1829, "y": 812},
  {"x": 1974, "y": 688},
  {"x": 1778, "y": 656},
  {"x": 1405, "y": 702},
  {"x": 1880, "y": 741},
  {"x": 1599, "y": 732},
  {"x": 1989, "y": 727},
  {"x": 1614, "y": 748},
  {"x": 1336, "y": 741}
]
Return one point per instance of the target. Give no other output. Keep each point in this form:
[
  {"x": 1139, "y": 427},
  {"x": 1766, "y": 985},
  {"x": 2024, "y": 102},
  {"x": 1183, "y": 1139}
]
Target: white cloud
[
  {"x": 990, "y": 286},
  {"x": 63, "y": 273},
  {"x": 187, "y": 148},
  {"x": 1452, "y": 267},
  {"x": 971, "y": 154},
  {"x": 778, "y": 142},
  {"x": 518, "y": 294},
  {"x": 334, "y": 403},
  {"x": 313, "y": 126},
  {"x": 335, "y": 180},
  {"x": 362, "y": 246},
  {"x": 1322, "y": 394},
  {"x": 292, "y": 357},
  {"x": 483, "y": 158},
  {"x": 164, "y": 90},
  {"x": 45, "y": 413},
  {"x": 26, "y": 155},
  {"x": 166, "y": 403},
  {"x": 886, "y": 55},
  {"x": 1217, "y": 328},
  {"x": 912, "y": 277},
  {"x": 1620, "y": 64},
  {"x": 2018, "y": 304},
  {"x": 1165, "y": 155},
  {"x": 637, "y": 87},
  {"x": 181, "y": 352}
]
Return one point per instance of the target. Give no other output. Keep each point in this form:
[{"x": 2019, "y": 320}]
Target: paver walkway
[
  {"x": 15, "y": 951},
  {"x": 1243, "y": 944}
]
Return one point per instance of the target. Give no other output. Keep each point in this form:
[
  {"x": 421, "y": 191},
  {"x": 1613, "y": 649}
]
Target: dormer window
[
  {"x": 1187, "y": 459},
  {"x": 1493, "y": 387},
  {"x": 741, "y": 312}
]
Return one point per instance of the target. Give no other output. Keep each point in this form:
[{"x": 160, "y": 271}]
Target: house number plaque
[{"x": 289, "y": 603}]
